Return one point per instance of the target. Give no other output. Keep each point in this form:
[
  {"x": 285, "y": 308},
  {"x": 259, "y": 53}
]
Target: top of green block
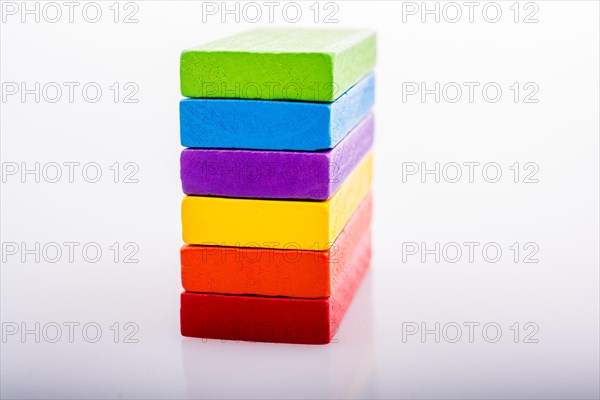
[
  {"x": 279, "y": 64},
  {"x": 284, "y": 40}
]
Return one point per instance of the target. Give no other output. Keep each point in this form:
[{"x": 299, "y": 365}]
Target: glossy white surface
[{"x": 370, "y": 359}]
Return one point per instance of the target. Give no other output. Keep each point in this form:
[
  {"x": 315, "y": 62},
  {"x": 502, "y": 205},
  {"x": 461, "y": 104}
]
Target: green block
[{"x": 279, "y": 64}]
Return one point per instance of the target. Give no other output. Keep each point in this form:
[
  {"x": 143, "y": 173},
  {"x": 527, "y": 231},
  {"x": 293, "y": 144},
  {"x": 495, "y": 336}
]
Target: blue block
[{"x": 274, "y": 125}]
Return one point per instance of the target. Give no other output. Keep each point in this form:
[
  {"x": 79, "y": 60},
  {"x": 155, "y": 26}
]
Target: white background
[{"x": 559, "y": 214}]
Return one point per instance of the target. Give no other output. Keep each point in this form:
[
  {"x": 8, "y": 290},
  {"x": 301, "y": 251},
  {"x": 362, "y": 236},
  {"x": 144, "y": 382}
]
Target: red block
[{"x": 276, "y": 319}]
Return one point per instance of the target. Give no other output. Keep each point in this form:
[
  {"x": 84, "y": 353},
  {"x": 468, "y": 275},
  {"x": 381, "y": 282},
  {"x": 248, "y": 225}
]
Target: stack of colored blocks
[{"x": 277, "y": 175}]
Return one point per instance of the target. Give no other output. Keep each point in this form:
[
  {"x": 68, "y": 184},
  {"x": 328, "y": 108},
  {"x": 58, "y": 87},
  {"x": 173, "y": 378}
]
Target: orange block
[{"x": 274, "y": 272}]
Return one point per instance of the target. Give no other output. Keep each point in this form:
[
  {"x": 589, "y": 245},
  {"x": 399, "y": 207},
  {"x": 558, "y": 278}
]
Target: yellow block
[{"x": 281, "y": 224}]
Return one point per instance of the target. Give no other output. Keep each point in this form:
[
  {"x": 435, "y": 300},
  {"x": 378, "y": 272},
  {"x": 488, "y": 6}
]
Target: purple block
[{"x": 275, "y": 174}]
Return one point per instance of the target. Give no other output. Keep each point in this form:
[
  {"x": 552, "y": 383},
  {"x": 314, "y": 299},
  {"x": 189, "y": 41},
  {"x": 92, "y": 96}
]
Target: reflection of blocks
[{"x": 279, "y": 256}]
